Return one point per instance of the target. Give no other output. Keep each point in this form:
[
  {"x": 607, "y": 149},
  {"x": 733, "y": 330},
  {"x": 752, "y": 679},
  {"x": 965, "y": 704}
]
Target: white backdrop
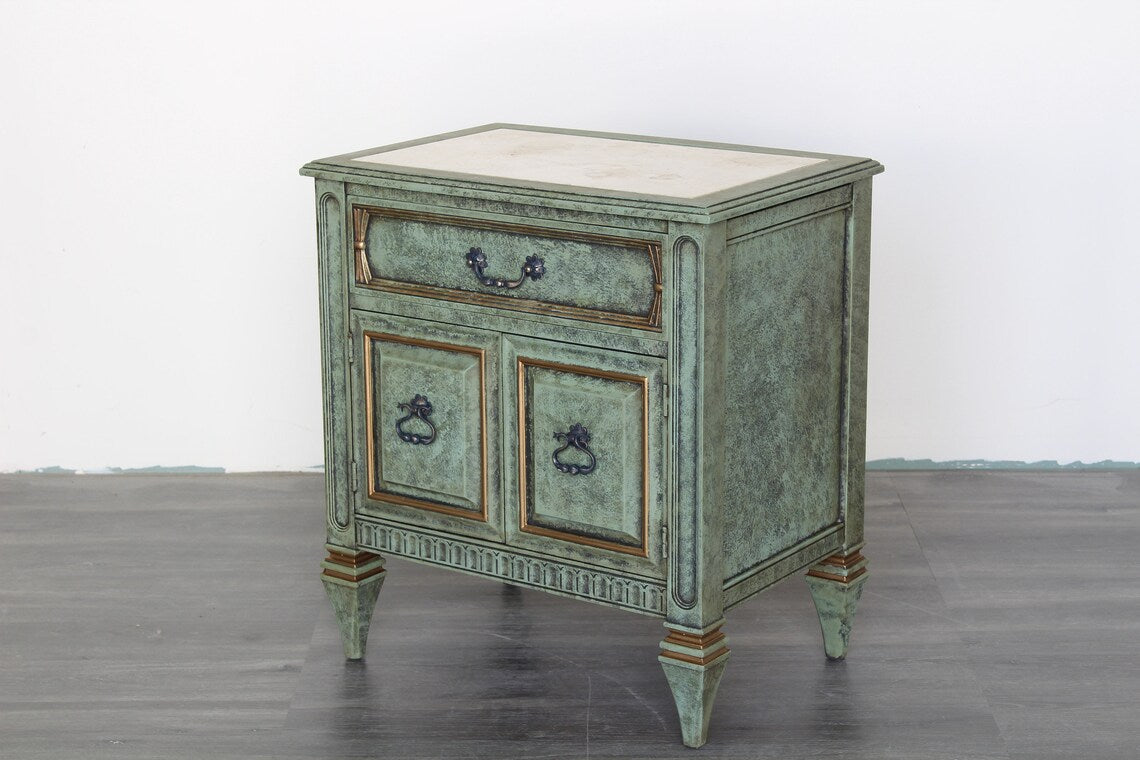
[{"x": 158, "y": 272}]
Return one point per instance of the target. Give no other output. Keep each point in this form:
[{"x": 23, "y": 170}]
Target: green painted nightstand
[{"x": 623, "y": 369}]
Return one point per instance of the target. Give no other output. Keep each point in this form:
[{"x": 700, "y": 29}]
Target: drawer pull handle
[
  {"x": 533, "y": 268},
  {"x": 578, "y": 437},
  {"x": 420, "y": 408}
]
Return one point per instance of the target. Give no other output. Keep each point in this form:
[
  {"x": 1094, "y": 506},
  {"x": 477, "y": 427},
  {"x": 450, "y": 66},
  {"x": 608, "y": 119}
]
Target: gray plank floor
[{"x": 181, "y": 616}]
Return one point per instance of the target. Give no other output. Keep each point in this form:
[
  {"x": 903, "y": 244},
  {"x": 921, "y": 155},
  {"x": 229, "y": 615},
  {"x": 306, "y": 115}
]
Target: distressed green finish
[
  {"x": 749, "y": 391},
  {"x": 604, "y": 503},
  {"x": 835, "y": 601},
  {"x": 694, "y": 692},
  {"x": 442, "y": 362},
  {"x": 859, "y": 265},
  {"x": 447, "y": 469},
  {"x": 607, "y": 276},
  {"x": 333, "y": 281},
  {"x": 783, "y": 441},
  {"x": 353, "y": 602},
  {"x": 608, "y": 504},
  {"x": 696, "y": 571}
]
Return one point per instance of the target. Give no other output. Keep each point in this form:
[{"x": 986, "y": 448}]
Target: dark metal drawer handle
[
  {"x": 578, "y": 437},
  {"x": 477, "y": 260},
  {"x": 420, "y": 408}
]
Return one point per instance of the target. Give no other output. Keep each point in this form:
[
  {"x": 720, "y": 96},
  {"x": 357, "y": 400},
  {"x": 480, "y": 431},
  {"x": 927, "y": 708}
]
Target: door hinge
[
  {"x": 351, "y": 348},
  {"x": 665, "y": 400},
  {"x": 664, "y": 541},
  {"x": 355, "y": 478}
]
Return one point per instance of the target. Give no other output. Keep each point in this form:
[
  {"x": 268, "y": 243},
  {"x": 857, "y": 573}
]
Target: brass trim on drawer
[
  {"x": 370, "y": 444},
  {"x": 524, "y": 526},
  {"x": 365, "y": 277}
]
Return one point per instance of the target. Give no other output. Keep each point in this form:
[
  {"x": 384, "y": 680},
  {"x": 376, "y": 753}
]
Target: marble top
[{"x": 630, "y": 166}]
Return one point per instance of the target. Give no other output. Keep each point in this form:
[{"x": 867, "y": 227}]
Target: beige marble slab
[{"x": 677, "y": 171}]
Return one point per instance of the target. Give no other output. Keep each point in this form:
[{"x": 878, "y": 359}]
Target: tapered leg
[
  {"x": 836, "y": 584},
  {"x": 694, "y": 662},
  {"x": 352, "y": 580}
]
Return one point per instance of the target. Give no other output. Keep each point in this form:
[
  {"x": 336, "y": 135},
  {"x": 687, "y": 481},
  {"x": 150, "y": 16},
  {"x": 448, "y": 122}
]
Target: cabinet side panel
[{"x": 785, "y": 391}]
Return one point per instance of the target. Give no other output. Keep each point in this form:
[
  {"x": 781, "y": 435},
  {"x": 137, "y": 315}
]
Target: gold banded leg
[
  {"x": 836, "y": 584},
  {"x": 694, "y": 663},
  {"x": 352, "y": 580}
]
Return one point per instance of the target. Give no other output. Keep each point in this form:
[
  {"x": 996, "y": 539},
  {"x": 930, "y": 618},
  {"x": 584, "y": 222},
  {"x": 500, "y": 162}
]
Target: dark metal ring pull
[
  {"x": 477, "y": 260},
  {"x": 420, "y": 408},
  {"x": 578, "y": 437}
]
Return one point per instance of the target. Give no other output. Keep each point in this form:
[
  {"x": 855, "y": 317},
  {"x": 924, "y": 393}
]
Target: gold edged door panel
[
  {"x": 426, "y": 432},
  {"x": 585, "y": 430}
]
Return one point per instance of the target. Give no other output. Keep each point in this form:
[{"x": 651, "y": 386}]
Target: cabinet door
[
  {"x": 584, "y": 427},
  {"x": 425, "y": 402}
]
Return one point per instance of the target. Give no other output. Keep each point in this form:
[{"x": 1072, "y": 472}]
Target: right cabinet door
[{"x": 584, "y": 429}]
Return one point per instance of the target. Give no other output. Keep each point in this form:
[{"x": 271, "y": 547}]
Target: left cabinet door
[{"x": 425, "y": 424}]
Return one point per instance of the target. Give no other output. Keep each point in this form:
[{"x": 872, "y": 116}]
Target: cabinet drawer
[
  {"x": 425, "y": 400},
  {"x": 586, "y": 428},
  {"x": 565, "y": 273}
]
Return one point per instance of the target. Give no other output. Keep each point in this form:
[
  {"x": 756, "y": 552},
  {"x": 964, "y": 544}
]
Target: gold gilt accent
[
  {"x": 354, "y": 560},
  {"x": 364, "y": 276},
  {"x": 843, "y": 564},
  {"x": 369, "y": 405},
  {"x": 360, "y": 222},
  {"x": 655, "y": 306},
  {"x": 355, "y": 565},
  {"x": 643, "y": 549},
  {"x": 701, "y": 645},
  {"x": 839, "y": 560}
]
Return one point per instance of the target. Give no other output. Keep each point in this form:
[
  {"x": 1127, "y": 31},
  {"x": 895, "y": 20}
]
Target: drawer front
[
  {"x": 426, "y": 410},
  {"x": 586, "y": 428},
  {"x": 578, "y": 275}
]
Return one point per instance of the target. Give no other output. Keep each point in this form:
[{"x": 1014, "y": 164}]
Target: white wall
[{"x": 157, "y": 270}]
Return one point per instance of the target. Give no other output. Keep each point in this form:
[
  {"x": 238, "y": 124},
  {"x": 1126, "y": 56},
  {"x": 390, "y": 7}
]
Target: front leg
[
  {"x": 836, "y": 584},
  {"x": 352, "y": 579},
  {"x": 694, "y": 662}
]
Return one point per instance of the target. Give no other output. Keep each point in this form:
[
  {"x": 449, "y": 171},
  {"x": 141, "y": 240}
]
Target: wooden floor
[{"x": 181, "y": 616}]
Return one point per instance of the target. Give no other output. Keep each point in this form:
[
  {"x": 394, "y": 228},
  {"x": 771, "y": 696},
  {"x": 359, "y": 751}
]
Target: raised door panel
[
  {"x": 426, "y": 418},
  {"x": 585, "y": 433}
]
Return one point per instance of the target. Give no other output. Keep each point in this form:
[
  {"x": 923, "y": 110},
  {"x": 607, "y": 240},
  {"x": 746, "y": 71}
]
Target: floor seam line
[{"x": 958, "y": 627}]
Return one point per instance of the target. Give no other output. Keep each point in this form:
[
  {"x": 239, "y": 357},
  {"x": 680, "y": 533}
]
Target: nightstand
[{"x": 622, "y": 369}]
